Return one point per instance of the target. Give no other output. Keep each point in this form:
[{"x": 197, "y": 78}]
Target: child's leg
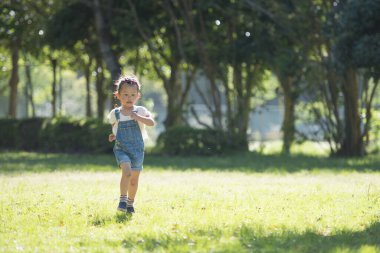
[
  {"x": 124, "y": 182},
  {"x": 125, "y": 178},
  {"x": 133, "y": 185}
]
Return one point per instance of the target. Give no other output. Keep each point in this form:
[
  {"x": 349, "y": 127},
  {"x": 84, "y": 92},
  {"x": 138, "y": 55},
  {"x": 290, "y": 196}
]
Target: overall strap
[{"x": 117, "y": 114}]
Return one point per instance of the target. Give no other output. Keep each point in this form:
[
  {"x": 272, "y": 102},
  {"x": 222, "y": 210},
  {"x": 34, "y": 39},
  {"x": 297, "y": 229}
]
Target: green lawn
[{"x": 238, "y": 203}]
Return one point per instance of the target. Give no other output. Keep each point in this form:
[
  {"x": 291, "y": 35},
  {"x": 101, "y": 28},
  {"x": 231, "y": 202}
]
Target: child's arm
[
  {"x": 147, "y": 120},
  {"x": 111, "y": 137}
]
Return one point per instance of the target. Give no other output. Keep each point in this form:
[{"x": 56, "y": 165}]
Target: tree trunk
[
  {"x": 199, "y": 37},
  {"x": 331, "y": 96},
  {"x": 13, "y": 81},
  {"x": 87, "y": 74},
  {"x": 60, "y": 92},
  {"x": 104, "y": 38},
  {"x": 29, "y": 87},
  {"x": 173, "y": 90},
  {"x": 368, "y": 100},
  {"x": 54, "y": 87},
  {"x": 352, "y": 141},
  {"x": 241, "y": 113},
  {"x": 174, "y": 114},
  {"x": 229, "y": 96},
  {"x": 289, "y": 117},
  {"x": 100, "y": 91},
  {"x": 252, "y": 72}
]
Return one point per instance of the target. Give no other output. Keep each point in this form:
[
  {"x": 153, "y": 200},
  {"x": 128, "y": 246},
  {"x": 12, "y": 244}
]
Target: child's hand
[
  {"x": 111, "y": 137},
  {"x": 133, "y": 115}
]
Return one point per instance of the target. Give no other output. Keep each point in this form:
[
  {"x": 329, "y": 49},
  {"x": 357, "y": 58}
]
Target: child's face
[{"x": 128, "y": 95}]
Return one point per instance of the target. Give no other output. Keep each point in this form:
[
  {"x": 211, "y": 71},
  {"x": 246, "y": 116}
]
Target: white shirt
[{"x": 140, "y": 110}]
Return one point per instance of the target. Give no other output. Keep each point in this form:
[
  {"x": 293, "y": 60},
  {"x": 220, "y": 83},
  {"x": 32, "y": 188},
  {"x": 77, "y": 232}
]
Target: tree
[
  {"x": 160, "y": 27},
  {"x": 72, "y": 29},
  {"x": 223, "y": 34},
  {"x": 358, "y": 47},
  {"x": 198, "y": 20},
  {"x": 13, "y": 17},
  {"x": 23, "y": 29},
  {"x": 244, "y": 41},
  {"x": 338, "y": 63},
  {"x": 288, "y": 45},
  {"x": 29, "y": 84},
  {"x": 103, "y": 17}
]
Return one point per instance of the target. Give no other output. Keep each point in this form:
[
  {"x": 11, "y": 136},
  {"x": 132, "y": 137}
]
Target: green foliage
[
  {"x": 8, "y": 133},
  {"x": 184, "y": 140},
  {"x": 55, "y": 135},
  {"x": 69, "y": 25},
  {"x": 28, "y": 133},
  {"x": 25, "y": 21},
  {"x": 358, "y": 44},
  {"x": 20, "y": 134},
  {"x": 69, "y": 135},
  {"x": 5, "y": 63}
]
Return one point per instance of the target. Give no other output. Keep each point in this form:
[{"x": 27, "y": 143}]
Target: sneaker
[
  {"x": 122, "y": 207},
  {"x": 130, "y": 209}
]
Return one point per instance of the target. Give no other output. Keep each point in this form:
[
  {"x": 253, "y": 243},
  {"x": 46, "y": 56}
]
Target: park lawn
[{"x": 239, "y": 203}]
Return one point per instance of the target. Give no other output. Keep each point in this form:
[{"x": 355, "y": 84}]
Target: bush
[
  {"x": 95, "y": 136},
  {"x": 55, "y": 135},
  {"x": 28, "y": 134},
  {"x": 183, "y": 140},
  {"x": 69, "y": 135},
  {"x": 8, "y": 133}
]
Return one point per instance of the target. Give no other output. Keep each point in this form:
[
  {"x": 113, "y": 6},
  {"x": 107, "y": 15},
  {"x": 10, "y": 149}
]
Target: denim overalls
[{"x": 129, "y": 144}]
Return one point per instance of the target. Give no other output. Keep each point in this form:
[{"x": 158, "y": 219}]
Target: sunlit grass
[
  {"x": 306, "y": 148},
  {"x": 70, "y": 205}
]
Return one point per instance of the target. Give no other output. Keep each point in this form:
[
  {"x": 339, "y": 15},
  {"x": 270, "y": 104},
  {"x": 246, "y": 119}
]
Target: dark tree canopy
[
  {"x": 359, "y": 43},
  {"x": 69, "y": 25}
]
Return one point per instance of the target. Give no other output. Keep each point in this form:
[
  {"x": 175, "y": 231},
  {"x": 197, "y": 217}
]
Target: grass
[{"x": 238, "y": 203}]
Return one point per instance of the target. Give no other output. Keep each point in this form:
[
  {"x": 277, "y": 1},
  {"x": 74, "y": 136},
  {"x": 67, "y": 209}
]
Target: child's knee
[{"x": 126, "y": 169}]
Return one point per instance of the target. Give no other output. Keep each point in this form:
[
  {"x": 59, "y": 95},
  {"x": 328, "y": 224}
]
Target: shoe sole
[{"x": 122, "y": 210}]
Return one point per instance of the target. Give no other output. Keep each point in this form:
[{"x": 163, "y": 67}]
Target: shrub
[
  {"x": 28, "y": 134},
  {"x": 8, "y": 133},
  {"x": 183, "y": 140},
  {"x": 60, "y": 134},
  {"x": 69, "y": 135},
  {"x": 95, "y": 136}
]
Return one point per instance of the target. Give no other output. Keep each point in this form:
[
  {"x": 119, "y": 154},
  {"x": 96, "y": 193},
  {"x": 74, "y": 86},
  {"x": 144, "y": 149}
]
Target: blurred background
[{"x": 219, "y": 76}]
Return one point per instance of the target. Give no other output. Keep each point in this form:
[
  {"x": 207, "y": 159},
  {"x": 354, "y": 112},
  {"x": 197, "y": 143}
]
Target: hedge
[
  {"x": 69, "y": 135},
  {"x": 184, "y": 140},
  {"x": 55, "y": 135}
]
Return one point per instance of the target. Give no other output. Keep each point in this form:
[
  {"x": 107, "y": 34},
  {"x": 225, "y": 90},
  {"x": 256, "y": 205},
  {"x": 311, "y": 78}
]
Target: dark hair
[{"x": 127, "y": 80}]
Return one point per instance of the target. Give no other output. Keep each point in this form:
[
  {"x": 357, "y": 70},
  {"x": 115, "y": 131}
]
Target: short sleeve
[
  {"x": 141, "y": 110},
  {"x": 112, "y": 117}
]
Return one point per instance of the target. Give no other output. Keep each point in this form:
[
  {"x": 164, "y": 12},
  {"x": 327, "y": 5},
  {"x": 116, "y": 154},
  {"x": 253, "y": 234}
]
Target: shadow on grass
[
  {"x": 311, "y": 241},
  {"x": 122, "y": 217},
  {"x": 253, "y": 162},
  {"x": 251, "y": 240},
  {"x": 101, "y": 220},
  {"x": 12, "y": 162}
]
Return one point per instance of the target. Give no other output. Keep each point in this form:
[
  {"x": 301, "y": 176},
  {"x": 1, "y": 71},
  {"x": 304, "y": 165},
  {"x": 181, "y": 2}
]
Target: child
[{"x": 128, "y": 130}]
